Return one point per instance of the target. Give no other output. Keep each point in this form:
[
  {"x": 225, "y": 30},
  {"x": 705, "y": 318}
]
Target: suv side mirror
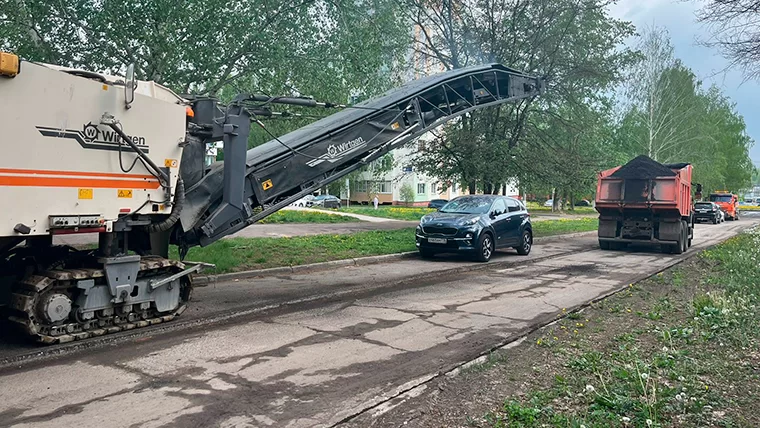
[{"x": 130, "y": 84}]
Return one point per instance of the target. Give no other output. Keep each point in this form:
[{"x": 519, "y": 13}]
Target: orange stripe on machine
[{"x": 100, "y": 180}]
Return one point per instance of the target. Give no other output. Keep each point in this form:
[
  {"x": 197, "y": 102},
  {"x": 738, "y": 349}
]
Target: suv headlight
[{"x": 471, "y": 221}]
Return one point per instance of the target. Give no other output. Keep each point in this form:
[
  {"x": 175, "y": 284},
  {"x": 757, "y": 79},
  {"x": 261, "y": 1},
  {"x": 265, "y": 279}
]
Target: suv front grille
[{"x": 439, "y": 230}]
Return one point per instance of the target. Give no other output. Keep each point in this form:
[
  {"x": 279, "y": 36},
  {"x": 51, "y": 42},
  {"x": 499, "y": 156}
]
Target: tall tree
[
  {"x": 205, "y": 46},
  {"x": 328, "y": 49},
  {"x": 660, "y": 94},
  {"x": 574, "y": 43}
]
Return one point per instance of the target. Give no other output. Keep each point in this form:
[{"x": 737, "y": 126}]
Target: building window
[
  {"x": 384, "y": 187},
  {"x": 420, "y": 188},
  {"x": 453, "y": 187},
  {"x": 420, "y": 146},
  {"x": 361, "y": 186}
]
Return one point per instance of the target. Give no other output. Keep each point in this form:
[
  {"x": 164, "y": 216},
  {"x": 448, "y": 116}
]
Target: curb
[{"x": 206, "y": 280}]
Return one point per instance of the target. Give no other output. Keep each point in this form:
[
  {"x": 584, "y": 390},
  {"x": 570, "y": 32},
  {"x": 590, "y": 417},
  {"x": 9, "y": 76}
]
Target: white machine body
[{"x": 60, "y": 169}]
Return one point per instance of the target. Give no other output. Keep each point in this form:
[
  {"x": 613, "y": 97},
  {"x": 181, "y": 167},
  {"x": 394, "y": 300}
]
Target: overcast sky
[{"x": 679, "y": 18}]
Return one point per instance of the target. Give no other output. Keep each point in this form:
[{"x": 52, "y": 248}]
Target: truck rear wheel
[{"x": 679, "y": 247}]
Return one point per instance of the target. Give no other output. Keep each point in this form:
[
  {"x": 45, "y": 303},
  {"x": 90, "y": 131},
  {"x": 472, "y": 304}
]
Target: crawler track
[{"x": 29, "y": 294}]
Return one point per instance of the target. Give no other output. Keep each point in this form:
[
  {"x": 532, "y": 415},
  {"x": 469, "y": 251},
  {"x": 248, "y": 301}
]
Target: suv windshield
[
  {"x": 703, "y": 205},
  {"x": 720, "y": 198},
  {"x": 468, "y": 206}
]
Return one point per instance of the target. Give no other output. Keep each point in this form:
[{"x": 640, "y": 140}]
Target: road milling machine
[{"x": 85, "y": 152}]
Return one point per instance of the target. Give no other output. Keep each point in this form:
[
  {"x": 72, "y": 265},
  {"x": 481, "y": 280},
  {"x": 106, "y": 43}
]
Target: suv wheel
[
  {"x": 526, "y": 243},
  {"x": 427, "y": 254},
  {"x": 485, "y": 248}
]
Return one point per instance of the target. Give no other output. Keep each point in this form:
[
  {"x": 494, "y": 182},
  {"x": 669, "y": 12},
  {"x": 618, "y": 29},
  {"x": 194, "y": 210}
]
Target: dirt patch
[{"x": 679, "y": 349}]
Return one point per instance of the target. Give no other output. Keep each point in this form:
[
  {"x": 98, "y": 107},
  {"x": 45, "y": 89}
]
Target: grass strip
[
  {"x": 290, "y": 216},
  {"x": 392, "y": 212},
  {"x": 241, "y": 254},
  {"x": 679, "y": 349}
]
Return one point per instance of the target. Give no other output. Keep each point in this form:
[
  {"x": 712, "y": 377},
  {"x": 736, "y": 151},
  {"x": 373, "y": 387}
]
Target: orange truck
[
  {"x": 645, "y": 202},
  {"x": 728, "y": 203}
]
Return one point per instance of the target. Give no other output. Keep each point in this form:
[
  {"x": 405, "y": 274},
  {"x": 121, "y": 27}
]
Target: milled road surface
[{"x": 352, "y": 339}]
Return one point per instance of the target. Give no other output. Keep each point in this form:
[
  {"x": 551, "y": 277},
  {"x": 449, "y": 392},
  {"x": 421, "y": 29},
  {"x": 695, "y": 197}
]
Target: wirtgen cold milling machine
[{"x": 85, "y": 152}]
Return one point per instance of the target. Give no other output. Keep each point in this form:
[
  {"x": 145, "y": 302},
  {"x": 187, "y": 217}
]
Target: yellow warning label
[
  {"x": 85, "y": 193},
  {"x": 395, "y": 126},
  {"x": 125, "y": 193},
  {"x": 267, "y": 185},
  {"x": 170, "y": 163}
]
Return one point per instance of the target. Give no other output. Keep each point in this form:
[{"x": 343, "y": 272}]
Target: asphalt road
[{"x": 319, "y": 349}]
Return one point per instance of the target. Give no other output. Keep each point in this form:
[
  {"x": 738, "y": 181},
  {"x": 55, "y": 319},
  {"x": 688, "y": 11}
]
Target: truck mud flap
[
  {"x": 607, "y": 228},
  {"x": 670, "y": 230}
]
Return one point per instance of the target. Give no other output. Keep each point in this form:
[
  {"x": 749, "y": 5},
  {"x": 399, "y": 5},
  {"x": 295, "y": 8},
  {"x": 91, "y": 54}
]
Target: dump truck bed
[
  {"x": 647, "y": 202},
  {"x": 657, "y": 194}
]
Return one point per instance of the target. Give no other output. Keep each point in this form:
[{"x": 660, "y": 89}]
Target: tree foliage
[
  {"x": 326, "y": 49},
  {"x": 671, "y": 118},
  {"x": 575, "y": 44}
]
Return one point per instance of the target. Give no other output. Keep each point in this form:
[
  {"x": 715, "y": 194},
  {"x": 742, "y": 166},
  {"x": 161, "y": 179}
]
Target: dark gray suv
[{"x": 478, "y": 225}]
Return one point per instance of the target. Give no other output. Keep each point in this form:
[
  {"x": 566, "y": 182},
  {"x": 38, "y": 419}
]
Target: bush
[{"x": 407, "y": 193}]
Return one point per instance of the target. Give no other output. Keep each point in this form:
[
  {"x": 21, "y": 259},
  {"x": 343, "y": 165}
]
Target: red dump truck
[{"x": 646, "y": 202}]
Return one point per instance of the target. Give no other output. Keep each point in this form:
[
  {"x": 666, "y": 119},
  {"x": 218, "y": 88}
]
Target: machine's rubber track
[{"x": 28, "y": 292}]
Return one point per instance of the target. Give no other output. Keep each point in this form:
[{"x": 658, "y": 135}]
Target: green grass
[
  {"x": 287, "y": 216},
  {"x": 393, "y": 212},
  {"x": 691, "y": 359},
  {"x": 556, "y": 227},
  {"x": 240, "y": 254},
  {"x": 534, "y": 207}
]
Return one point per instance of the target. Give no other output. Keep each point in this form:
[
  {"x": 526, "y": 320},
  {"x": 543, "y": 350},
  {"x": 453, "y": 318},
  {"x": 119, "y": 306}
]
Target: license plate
[
  {"x": 437, "y": 240},
  {"x": 703, "y": 211}
]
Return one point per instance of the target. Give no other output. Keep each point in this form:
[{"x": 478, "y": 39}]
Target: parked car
[
  {"x": 476, "y": 224},
  {"x": 583, "y": 203},
  {"x": 437, "y": 203},
  {"x": 708, "y": 211},
  {"x": 326, "y": 201},
  {"x": 306, "y": 201}
]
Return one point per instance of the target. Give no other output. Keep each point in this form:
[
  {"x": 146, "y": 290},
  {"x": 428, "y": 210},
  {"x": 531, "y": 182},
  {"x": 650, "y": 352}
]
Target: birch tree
[{"x": 660, "y": 94}]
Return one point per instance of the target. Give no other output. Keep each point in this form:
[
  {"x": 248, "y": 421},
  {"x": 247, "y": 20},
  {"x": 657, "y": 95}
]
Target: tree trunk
[
  {"x": 564, "y": 200},
  {"x": 472, "y": 187},
  {"x": 554, "y": 199}
]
